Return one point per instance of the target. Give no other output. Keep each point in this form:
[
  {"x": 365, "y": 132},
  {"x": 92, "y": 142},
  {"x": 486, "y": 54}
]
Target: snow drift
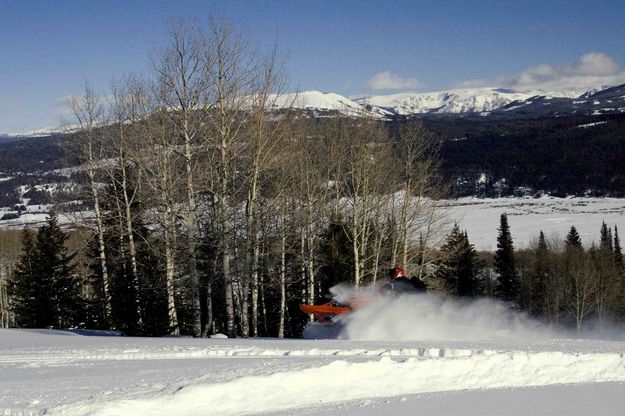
[{"x": 343, "y": 380}]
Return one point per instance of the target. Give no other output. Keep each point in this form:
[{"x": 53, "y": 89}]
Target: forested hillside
[
  {"x": 559, "y": 156},
  {"x": 482, "y": 156}
]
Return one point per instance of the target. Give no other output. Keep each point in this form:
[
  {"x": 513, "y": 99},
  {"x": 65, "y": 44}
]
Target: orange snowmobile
[
  {"x": 325, "y": 312},
  {"x": 327, "y": 323}
]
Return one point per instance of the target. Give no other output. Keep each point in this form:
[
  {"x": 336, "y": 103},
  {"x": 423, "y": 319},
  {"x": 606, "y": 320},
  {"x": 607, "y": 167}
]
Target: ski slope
[{"x": 57, "y": 372}]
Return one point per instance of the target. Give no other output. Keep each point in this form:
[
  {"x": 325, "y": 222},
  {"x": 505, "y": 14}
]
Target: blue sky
[{"x": 48, "y": 48}]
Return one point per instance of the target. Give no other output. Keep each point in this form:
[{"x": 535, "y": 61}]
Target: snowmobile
[
  {"x": 329, "y": 316},
  {"x": 325, "y": 312}
]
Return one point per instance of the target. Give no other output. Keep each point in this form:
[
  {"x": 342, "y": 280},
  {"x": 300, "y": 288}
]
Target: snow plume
[{"x": 417, "y": 317}]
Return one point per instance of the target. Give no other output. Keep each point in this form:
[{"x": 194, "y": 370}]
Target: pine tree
[
  {"x": 45, "y": 290},
  {"x": 618, "y": 253},
  {"x": 58, "y": 273},
  {"x": 620, "y": 269},
  {"x": 540, "y": 274},
  {"x": 605, "y": 243},
  {"x": 447, "y": 270},
  {"x": 468, "y": 284},
  {"x": 95, "y": 302},
  {"x": 505, "y": 265},
  {"x": 573, "y": 240},
  {"x": 24, "y": 288},
  {"x": 458, "y": 269}
]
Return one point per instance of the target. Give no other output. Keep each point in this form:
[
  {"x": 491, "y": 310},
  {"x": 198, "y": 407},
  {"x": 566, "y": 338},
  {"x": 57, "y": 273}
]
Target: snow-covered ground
[
  {"x": 528, "y": 216},
  {"x": 521, "y": 369}
]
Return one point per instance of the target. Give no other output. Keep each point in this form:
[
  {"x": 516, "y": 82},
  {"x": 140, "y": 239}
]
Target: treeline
[
  {"x": 210, "y": 213},
  {"x": 557, "y": 281}
]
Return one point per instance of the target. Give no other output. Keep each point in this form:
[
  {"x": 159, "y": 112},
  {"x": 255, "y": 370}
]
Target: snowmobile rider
[{"x": 399, "y": 283}]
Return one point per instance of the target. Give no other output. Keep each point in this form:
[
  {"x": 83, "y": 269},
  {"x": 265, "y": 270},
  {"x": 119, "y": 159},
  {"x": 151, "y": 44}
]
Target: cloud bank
[
  {"x": 591, "y": 70},
  {"x": 389, "y": 81}
]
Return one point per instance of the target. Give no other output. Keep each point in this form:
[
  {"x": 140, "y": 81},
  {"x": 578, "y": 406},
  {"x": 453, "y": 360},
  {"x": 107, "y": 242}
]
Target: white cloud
[
  {"x": 590, "y": 67},
  {"x": 591, "y": 70},
  {"x": 596, "y": 64},
  {"x": 388, "y": 81}
]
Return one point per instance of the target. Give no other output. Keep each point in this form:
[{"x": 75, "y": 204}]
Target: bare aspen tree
[
  {"x": 125, "y": 111},
  {"x": 364, "y": 180},
  {"x": 421, "y": 212},
  {"x": 89, "y": 112},
  {"x": 312, "y": 191},
  {"x": 281, "y": 319},
  {"x": 582, "y": 285},
  {"x": 181, "y": 68},
  {"x": 284, "y": 179},
  {"x": 265, "y": 135},
  {"x": 156, "y": 156},
  {"x": 229, "y": 70}
]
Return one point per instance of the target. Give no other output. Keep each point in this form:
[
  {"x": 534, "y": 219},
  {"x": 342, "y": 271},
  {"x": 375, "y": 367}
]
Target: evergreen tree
[
  {"x": 540, "y": 274},
  {"x": 459, "y": 266},
  {"x": 620, "y": 269},
  {"x": 95, "y": 307},
  {"x": 447, "y": 270},
  {"x": 505, "y": 263},
  {"x": 573, "y": 240},
  {"x": 605, "y": 243},
  {"x": 468, "y": 271},
  {"x": 58, "y": 271},
  {"x": 45, "y": 290},
  {"x": 618, "y": 253},
  {"x": 24, "y": 288}
]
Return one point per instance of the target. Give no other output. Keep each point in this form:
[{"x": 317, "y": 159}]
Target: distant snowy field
[
  {"x": 527, "y": 216},
  {"x": 57, "y": 372},
  {"x": 480, "y": 217}
]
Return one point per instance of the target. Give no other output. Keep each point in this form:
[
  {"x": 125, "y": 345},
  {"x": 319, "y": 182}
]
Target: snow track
[{"x": 53, "y": 373}]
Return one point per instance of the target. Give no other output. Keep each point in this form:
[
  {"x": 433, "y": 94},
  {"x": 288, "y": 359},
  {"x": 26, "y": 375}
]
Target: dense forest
[{"x": 556, "y": 156}]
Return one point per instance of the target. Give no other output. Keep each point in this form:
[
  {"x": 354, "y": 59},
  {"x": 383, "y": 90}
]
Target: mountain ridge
[{"x": 483, "y": 101}]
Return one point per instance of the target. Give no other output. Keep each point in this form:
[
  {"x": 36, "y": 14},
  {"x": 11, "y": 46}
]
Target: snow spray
[{"x": 431, "y": 317}]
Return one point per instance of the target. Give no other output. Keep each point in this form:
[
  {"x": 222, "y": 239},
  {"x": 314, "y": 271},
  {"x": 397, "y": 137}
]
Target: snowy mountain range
[
  {"x": 502, "y": 102},
  {"x": 480, "y": 101}
]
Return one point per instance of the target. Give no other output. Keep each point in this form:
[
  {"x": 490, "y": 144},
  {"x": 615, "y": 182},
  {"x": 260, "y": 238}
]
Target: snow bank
[{"x": 343, "y": 380}]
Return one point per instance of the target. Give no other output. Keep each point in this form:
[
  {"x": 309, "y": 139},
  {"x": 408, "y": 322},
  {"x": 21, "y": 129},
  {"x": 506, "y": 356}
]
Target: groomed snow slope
[{"x": 63, "y": 373}]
